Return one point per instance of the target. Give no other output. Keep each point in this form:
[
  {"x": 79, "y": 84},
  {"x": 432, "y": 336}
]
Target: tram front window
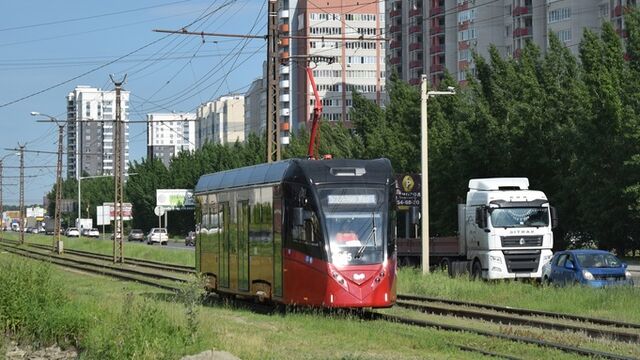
[{"x": 355, "y": 226}]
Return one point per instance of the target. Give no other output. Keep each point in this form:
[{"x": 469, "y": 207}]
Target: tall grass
[
  {"x": 35, "y": 309},
  {"x": 619, "y": 303},
  {"x": 33, "y": 306}
]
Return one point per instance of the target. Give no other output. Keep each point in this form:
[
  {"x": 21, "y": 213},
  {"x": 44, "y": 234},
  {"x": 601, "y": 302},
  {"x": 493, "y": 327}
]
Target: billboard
[
  {"x": 175, "y": 199},
  {"x": 408, "y": 190},
  {"x": 36, "y": 212},
  {"x": 126, "y": 211}
]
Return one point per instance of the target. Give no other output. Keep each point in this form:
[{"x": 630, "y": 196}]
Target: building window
[
  {"x": 564, "y": 35},
  {"x": 468, "y": 34},
  {"x": 466, "y": 15},
  {"x": 559, "y": 15}
]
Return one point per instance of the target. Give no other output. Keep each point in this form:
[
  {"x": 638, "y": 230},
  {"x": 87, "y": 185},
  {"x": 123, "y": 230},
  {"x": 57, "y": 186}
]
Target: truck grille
[
  {"x": 522, "y": 261},
  {"x": 518, "y": 241}
]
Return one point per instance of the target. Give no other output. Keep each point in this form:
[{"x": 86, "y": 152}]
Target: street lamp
[
  {"x": 57, "y": 243},
  {"x": 424, "y": 144}
]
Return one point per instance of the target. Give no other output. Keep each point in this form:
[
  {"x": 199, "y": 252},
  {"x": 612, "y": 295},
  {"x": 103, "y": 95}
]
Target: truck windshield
[
  {"x": 520, "y": 217},
  {"x": 354, "y": 225}
]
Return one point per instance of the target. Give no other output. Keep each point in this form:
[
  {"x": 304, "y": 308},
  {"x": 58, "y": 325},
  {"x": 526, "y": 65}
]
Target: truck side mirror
[
  {"x": 298, "y": 216},
  {"x": 481, "y": 217},
  {"x": 414, "y": 215},
  {"x": 554, "y": 218}
]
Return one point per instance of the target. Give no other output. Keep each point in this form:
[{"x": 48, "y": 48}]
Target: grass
[
  {"x": 131, "y": 249},
  {"x": 121, "y": 320},
  {"x": 613, "y": 303}
]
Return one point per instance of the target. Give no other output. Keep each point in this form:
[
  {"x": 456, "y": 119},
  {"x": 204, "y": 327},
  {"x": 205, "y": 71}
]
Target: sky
[{"x": 47, "y": 48}]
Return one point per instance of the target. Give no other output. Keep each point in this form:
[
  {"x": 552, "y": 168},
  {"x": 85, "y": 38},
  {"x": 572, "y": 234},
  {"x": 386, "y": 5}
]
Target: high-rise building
[
  {"x": 348, "y": 31},
  {"x": 429, "y": 36},
  {"x": 168, "y": 134},
  {"x": 220, "y": 121},
  {"x": 90, "y": 115},
  {"x": 255, "y": 108}
]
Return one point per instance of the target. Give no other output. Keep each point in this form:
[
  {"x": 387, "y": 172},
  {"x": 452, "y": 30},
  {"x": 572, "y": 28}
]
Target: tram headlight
[{"x": 340, "y": 280}]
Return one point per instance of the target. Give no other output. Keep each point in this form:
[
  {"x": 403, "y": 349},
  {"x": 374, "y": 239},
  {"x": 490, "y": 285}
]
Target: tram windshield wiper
[{"x": 372, "y": 234}]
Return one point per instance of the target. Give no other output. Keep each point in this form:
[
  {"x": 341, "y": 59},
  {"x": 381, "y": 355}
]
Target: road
[
  {"x": 635, "y": 272},
  {"x": 172, "y": 244}
]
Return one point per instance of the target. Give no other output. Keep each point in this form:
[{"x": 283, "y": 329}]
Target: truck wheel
[
  {"x": 445, "y": 265},
  {"x": 476, "y": 270}
]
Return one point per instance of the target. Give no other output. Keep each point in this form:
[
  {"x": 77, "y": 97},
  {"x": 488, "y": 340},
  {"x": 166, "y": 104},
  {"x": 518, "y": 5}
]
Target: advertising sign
[
  {"x": 36, "y": 212},
  {"x": 126, "y": 211},
  {"x": 408, "y": 190},
  {"x": 103, "y": 215},
  {"x": 175, "y": 199}
]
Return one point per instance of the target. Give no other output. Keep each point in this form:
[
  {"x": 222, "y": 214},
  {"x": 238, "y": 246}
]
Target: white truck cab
[{"x": 505, "y": 228}]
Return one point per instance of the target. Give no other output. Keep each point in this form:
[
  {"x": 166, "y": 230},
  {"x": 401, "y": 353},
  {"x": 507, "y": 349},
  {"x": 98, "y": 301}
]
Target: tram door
[
  {"x": 224, "y": 236},
  {"x": 243, "y": 245}
]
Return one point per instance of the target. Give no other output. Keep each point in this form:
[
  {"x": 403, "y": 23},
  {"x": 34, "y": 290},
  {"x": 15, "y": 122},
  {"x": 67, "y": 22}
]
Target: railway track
[
  {"x": 184, "y": 269},
  {"x": 523, "y": 317},
  {"x": 168, "y": 282}
]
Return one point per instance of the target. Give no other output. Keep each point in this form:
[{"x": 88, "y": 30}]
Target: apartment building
[
  {"x": 168, "y": 134},
  {"x": 220, "y": 121},
  {"x": 255, "y": 108},
  {"x": 90, "y": 146},
  {"x": 350, "y": 33},
  {"x": 431, "y": 36}
]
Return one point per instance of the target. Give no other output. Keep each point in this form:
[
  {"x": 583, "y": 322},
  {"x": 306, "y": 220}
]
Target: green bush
[{"x": 33, "y": 306}]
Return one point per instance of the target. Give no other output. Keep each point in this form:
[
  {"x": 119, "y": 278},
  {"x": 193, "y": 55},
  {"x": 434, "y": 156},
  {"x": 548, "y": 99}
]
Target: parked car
[
  {"x": 190, "y": 239},
  {"x": 72, "y": 232},
  {"x": 93, "y": 232},
  {"x": 157, "y": 235},
  {"x": 136, "y": 235},
  {"x": 594, "y": 268}
]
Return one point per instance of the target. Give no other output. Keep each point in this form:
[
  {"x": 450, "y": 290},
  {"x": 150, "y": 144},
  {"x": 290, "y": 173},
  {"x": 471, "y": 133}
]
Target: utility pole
[
  {"x": 1, "y": 205},
  {"x": 118, "y": 167},
  {"x": 273, "y": 64},
  {"x": 21, "y": 194},
  {"x": 57, "y": 243}
]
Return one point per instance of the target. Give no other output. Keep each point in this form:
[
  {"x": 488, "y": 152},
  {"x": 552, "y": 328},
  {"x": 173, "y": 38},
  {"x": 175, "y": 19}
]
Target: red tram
[{"x": 304, "y": 232}]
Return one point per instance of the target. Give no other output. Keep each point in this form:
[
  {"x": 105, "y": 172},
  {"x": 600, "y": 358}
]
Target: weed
[{"x": 191, "y": 295}]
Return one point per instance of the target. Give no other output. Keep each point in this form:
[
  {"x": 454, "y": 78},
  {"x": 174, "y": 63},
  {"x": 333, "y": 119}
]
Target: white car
[
  {"x": 158, "y": 235},
  {"x": 72, "y": 232},
  {"x": 93, "y": 233}
]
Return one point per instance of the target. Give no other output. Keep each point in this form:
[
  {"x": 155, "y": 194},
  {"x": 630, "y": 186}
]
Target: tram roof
[
  {"x": 246, "y": 176},
  {"x": 267, "y": 173}
]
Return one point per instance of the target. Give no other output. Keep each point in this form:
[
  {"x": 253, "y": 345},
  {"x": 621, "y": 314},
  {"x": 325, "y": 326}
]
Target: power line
[{"x": 90, "y": 17}]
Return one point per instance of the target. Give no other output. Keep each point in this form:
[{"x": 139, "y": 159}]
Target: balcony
[
  {"x": 284, "y": 84},
  {"x": 414, "y": 81},
  {"x": 394, "y": 13},
  {"x": 463, "y": 45},
  {"x": 521, "y": 10},
  {"x": 284, "y": 69},
  {"x": 284, "y": 97},
  {"x": 395, "y": 44},
  {"x": 523, "y": 31},
  {"x": 415, "y": 12},
  {"x": 285, "y": 112},
  {"x": 284, "y": 28},
  {"x": 463, "y": 6},
  {"x": 415, "y": 64},
  {"x": 415, "y": 29},
  {"x": 394, "y": 28},
  {"x": 436, "y": 11},
  {"x": 415, "y": 46},
  {"x": 395, "y": 60},
  {"x": 284, "y": 13},
  {"x": 435, "y": 49},
  {"x": 436, "y": 68},
  {"x": 436, "y": 30}
]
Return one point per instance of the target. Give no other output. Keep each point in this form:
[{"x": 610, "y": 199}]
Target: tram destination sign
[{"x": 408, "y": 191}]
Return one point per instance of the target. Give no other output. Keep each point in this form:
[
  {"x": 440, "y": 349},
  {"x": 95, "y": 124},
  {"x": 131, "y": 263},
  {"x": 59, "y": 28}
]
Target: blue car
[{"x": 594, "y": 268}]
